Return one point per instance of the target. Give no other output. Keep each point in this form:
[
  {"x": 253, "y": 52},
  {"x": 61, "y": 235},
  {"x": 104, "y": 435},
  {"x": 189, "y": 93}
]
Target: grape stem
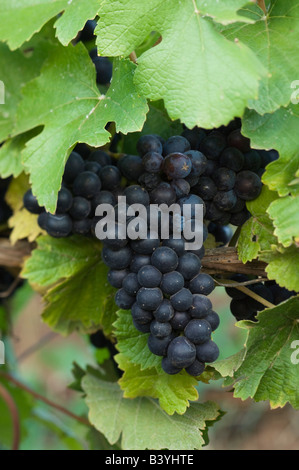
[
  {"x": 11, "y": 405},
  {"x": 243, "y": 288},
  {"x": 133, "y": 57},
  {"x": 45, "y": 400},
  {"x": 261, "y": 4}
]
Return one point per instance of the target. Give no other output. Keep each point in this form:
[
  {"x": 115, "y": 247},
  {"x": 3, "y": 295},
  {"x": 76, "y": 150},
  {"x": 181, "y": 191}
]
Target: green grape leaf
[
  {"x": 257, "y": 232},
  {"x": 270, "y": 368},
  {"x": 225, "y": 12},
  {"x": 74, "y": 18},
  {"x": 205, "y": 59},
  {"x": 133, "y": 344},
  {"x": 82, "y": 299},
  {"x": 284, "y": 212},
  {"x": 274, "y": 39},
  {"x": 141, "y": 423},
  {"x": 10, "y": 154},
  {"x": 280, "y": 175},
  {"x": 66, "y": 101},
  {"x": 173, "y": 391},
  {"x": 273, "y": 131},
  {"x": 16, "y": 69},
  {"x": 20, "y": 20},
  {"x": 283, "y": 266}
]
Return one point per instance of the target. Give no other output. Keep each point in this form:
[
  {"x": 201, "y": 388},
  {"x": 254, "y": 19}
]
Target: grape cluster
[{"x": 244, "y": 307}]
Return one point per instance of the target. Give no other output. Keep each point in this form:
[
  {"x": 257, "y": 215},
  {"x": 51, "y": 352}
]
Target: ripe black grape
[{"x": 181, "y": 352}]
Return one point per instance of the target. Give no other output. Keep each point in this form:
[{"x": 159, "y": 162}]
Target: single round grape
[
  {"x": 58, "y": 225},
  {"x": 240, "y": 218},
  {"x": 149, "y": 276},
  {"x": 87, "y": 184},
  {"x": 222, "y": 233},
  {"x": 180, "y": 320},
  {"x": 248, "y": 185},
  {"x": 149, "y": 181},
  {"x": 82, "y": 227},
  {"x": 201, "y": 306},
  {"x": 232, "y": 158},
  {"x": 95, "y": 167},
  {"x": 142, "y": 327},
  {"x": 224, "y": 178},
  {"x": 207, "y": 352},
  {"x": 236, "y": 139},
  {"x": 189, "y": 265},
  {"x": 206, "y": 188},
  {"x": 211, "y": 167},
  {"x": 172, "y": 282},
  {"x": 252, "y": 160},
  {"x": 145, "y": 246},
  {"x": 213, "y": 144},
  {"x": 101, "y": 157},
  {"x": 149, "y": 298},
  {"x": 64, "y": 201},
  {"x": 103, "y": 197},
  {"x": 202, "y": 284},
  {"x": 182, "y": 300},
  {"x": 165, "y": 311},
  {"x": 131, "y": 284},
  {"x": 117, "y": 259},
  {"x": 104, "y": 69},
  {"x": 135, "y": 194},
  {"x": 164, "y": 259},
  {"x": 149, "y": 143},
  {"x": 198, "y": 162},
  {"x": 153, "y": 162},
  {"x": 194, "y": 136},
  {"x": 214, "y": 320},
  {"x": 159, "y": 329},
  {"x": 140, "y": 315},
  {"x": 181, "y": 352},
  {"x": 80, "y": 209},
  {"x": 168, "y": 367},
  {"x": 176, "y": 143},
  {"x": 74, "y": 166},
  {"x": 177, "y": 165},
  {"x": 163, "y": 194},
  {"x": 177, "y": 244},
  {"x": 196, "y": 368},
  {"x": 110, "y": 177},
  {"x": 198, "y": 331},
  {"x": 123, "y": 299},
  {"x": 131, "y": 167},
  {"x": 225, "y": 200},
  {"x": 138, "y": 261},
  {"x": 31, "y": 203},
  {"x": 42, "y": 220},
  {"x": 159, "y": 346},
  {"x": 181, "y": 187},
  {"x": 116, "y": 276}
]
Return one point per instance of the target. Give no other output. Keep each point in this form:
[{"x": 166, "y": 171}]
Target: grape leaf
[
  {"x": 10, "y": 154},
  {"x": 16, "y": 69},
  {"x": 66, "y": 101},
  {"x": 173, "y": 391},
  {"x": 274, "y": 39},
  {"x": 280, "y": 175},
  {"x": 205, "y": 59},
  {"x": 268, "y": 371},
  {"x": 257, "y": 232},
  {"x": 74, "y": 18},
  {"x": 19, "y": 20},
  {"x": 225, "y": 12},
  {"x": 140, "y": 422},
  {"x": 59, "y": 258},
  {"x": 283, "y": 266},
  {"x": 133, "y": 344},
  {"x": 284, "y": 212},
  {"x": 273, "y": 131},
  {"x": 24, "y": 225}
]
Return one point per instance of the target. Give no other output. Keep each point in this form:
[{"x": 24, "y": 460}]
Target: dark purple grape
[
  {"x": 205, "y": 188},
  {"x": 123, "y": 299},
  {"x": 160, "y": 330},
  {"x": 149, "y": 298},
  {"x": 58, "y": 225},
  {"x": 131, "y": 167},
  {"x": 31, "y": 203},
  {"x": 169, "y": 368},
  {"x": 140, "y": 315},
  {"x": 116, "y": 276},
  {"x": 202, "y": 284},
  {"x": 201, "y": 306},
  {"x": 176, "y": 143},
  {"x": 163, "y": 194},
  {"x": 236, "y": 139},
  {"x": 225, "y": 200},
  {"x": 172, "y": 282},
  {"x": 213, "y": 145},
  {"x": 180, "y": 320},
  {"x": 196, "y": 368},
  {"x": 153, "y": 162},
  {"x": 248, "y": 185},
  {"x": 149, "y": 143},
  {"x": 177, "y": 165},
  {"x": 149, "y": 276},
  {"x": 198, "y": 331},
  {"x": 81, "y": 208},
  {"x": 165, "y": 311},
  {"x": 232, "y": 158},
  {"x": 182, "y": 300},
  {"x": 207, "y": 352},
  {"x": 181, "y": 352},
  {"x": 224, "y": 178},
  {"x": 198, "y": 162}
]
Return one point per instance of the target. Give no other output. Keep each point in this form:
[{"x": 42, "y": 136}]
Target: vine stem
[
  {"x": 45, "y": 400},
  {"x": 133, "y": 57},
  {"x": 243, "y": 288},
  {"x": 262, "y": 5},
  {"x": 11, "y": 405}
]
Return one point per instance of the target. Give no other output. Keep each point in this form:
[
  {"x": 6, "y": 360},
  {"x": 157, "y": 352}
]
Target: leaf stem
[
  {"x": 133, "y": 57},
  {"x": 11, "y": 405},
  {"x": 45, "y": 400},
  {"x": 262, "y": 5},
  {"x": 242, "y": 287}
]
